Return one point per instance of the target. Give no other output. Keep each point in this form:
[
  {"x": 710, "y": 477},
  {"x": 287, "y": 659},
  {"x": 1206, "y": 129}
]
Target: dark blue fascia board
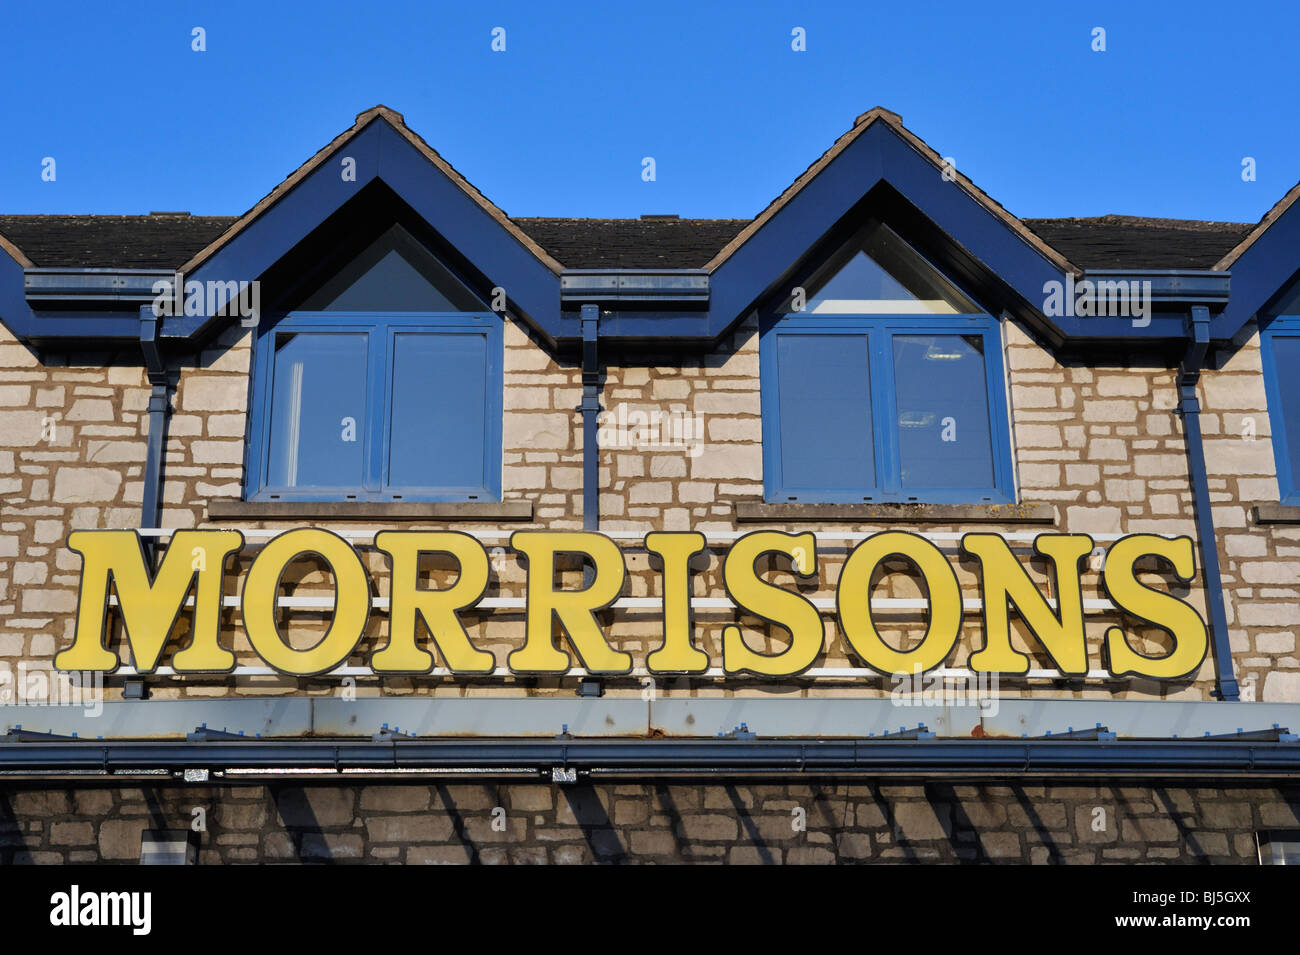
[
  {"x": 40, "y": 329},
  {"x": 63, "y": 329},
  {"x": 1163, "y": 327},
  {"x": 532, "y": 289},
  {"x": 1263, "y": 271},
  {"x": 661, "y": 327},
  {"x": 281, "y": 227},
  {"x": 72, "y": 287},
  {"x": 663, "y": 287},
  {"x": 1173, "y": 293},
  {"x": 15, "y": 312},
  {"x": 1174, "y": 287},
  {"x": 877, "y": 154},
  {"x": 535, "y": 292},
  {"x": 693, "y": 329}
]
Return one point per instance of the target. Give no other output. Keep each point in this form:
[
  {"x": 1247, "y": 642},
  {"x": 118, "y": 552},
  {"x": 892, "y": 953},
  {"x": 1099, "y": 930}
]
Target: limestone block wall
[
  {"x": 1102, "y": 445},
  {"x": 740, "y": 823},
  {"x": 541, "y": 436},
  {"x": 1261, "y": 562}
]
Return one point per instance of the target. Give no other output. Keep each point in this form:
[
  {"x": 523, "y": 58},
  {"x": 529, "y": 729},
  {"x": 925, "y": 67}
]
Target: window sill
[
  {"x": 370, "y": 510},
  {"x": 750, "y": 511},
  {"x": 1277, "y": 513}
]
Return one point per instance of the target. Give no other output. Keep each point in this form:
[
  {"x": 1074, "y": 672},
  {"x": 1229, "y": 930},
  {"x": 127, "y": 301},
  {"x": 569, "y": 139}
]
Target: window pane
[
  {"x": 878, "y": 273},
  {"x": 318, "y": 411},
  {"x": 1279, "y": 847},
  {"x": 1286, "y": 355},
  {"x": 439, "y": 410},
  {"x": 825, "y": 413},
  {"x": 1290, "y": 303},
  {"x": 395, "y": 273},
  {"x": 943, "y": 412}
]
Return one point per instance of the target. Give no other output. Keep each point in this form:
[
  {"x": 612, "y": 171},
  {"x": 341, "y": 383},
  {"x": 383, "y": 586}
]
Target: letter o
[
  {"x": 351, "y": 602},
  {"x": 853, "y": 603}
]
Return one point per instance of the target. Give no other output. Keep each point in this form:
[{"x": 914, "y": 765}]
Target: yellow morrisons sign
[{"x": 150, "y": 604}]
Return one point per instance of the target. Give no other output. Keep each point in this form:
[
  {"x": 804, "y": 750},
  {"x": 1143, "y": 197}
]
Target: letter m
[
  {"x": 115, "y": 908},
  {"x": 1112, "y": 299},
  {"x": 149, "y": 604},
  {"x": 221, "y": 295}
]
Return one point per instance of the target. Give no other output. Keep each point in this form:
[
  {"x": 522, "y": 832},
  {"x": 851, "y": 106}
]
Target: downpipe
[{"x": 1189, "y": 406}]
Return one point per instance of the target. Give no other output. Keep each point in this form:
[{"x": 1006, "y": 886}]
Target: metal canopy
[
  {"x": 905, "y": 755},
  {"x": 510, "y": 735},
  {"x": 628, "y": 716}
]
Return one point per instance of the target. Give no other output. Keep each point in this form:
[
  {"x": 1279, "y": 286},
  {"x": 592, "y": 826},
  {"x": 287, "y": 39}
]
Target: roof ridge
[
  {"x": 110, "y": 215},
  {"x": 1111, "y": 218}
]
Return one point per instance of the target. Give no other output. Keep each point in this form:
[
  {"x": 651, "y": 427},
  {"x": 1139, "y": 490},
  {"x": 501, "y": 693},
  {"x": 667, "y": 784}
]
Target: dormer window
[
  {"x": 383, "y": 383},
  {"x": 882, "y": 381}
]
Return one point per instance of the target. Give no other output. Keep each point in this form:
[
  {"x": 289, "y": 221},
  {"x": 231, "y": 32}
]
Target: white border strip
[
  {"x": 713, "y": 537},
  {"x": 853, "y": 673},
  {"x": 886, "y": 604}
]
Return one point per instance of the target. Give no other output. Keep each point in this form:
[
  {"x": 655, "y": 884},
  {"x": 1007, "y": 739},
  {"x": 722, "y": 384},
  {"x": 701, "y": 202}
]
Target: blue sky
[{"x": 558, "y": 124}]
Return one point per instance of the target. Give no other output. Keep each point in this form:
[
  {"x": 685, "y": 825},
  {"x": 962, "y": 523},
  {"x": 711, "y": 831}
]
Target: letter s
[
  {"x": 1184, "y": 624},
  {"x": 792, "y": 611}
]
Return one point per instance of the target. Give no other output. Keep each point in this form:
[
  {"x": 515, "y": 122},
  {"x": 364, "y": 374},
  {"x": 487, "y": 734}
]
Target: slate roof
[
  {"x": 1131, "y": 242},
  {"x": 125, "y": 242},
  {"x": 166, "y": 241},
  {"x": 656, "y": 242}
]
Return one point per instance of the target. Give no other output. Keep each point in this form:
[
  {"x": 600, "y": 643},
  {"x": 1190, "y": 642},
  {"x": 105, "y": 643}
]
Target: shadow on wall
[{"x": 735, "y": 822}]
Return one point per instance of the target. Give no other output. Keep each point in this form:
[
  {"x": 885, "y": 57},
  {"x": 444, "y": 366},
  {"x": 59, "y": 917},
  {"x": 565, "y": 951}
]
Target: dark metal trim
[
  {"x": 159, "y": 406},
  {"x": 1189, "y": 407},
  {"x": 81, "y": 285},
  {"x": 1172, "y": 287},
  {"x": 664, "y": 287},
  {"x": 1206, "y": 759},
  {"x": 590, "y": 409}
]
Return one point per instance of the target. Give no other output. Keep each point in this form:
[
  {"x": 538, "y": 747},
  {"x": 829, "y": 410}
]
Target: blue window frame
[
  {"x": 384, "y": 383},
  {"x": 1280, "y": 356},
  {"x": 377, "y": 407},
  {"x": 885, "y": 386}
]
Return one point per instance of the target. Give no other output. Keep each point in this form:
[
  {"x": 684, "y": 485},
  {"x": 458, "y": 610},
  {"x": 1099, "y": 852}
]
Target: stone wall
[
  {"x": 648, "y": 822},
  {"x": 1102, "y": 445},
  {"x": 1260, "y": 562}
]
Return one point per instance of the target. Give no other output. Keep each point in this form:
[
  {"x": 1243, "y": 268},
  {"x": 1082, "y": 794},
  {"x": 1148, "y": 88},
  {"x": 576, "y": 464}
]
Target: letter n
[{"x": 1003, "y": 580}]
